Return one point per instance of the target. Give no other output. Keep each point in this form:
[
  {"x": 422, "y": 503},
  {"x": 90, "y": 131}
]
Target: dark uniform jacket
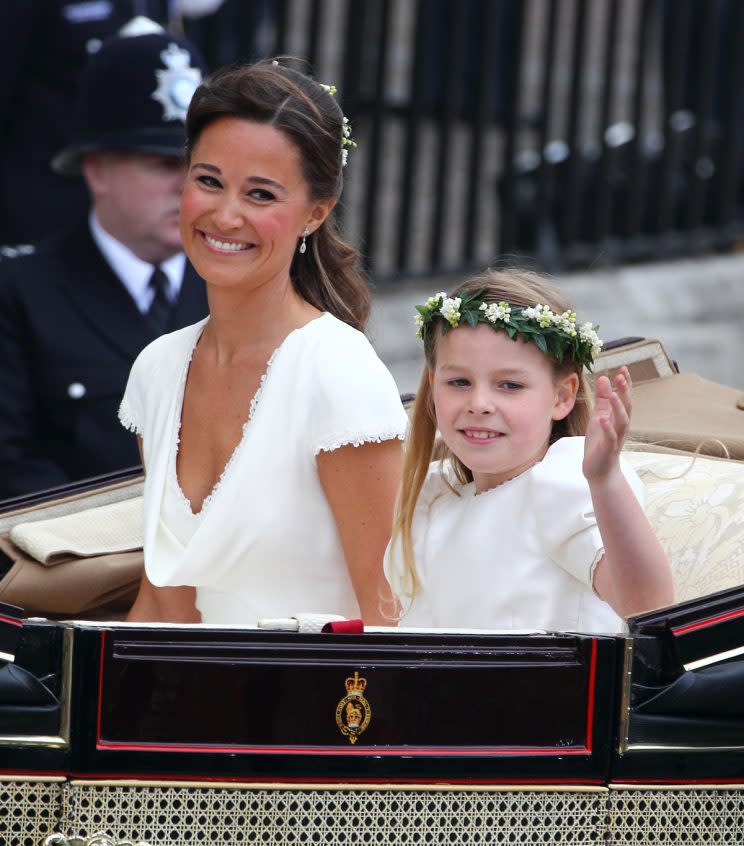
[
  {"x": 44, "y": 45},
  {"x": 69, "y": 332}
]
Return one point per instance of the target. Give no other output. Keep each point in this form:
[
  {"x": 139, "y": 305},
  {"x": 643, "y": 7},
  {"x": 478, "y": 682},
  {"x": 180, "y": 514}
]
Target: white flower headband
[{"x": 556, "y": 335}]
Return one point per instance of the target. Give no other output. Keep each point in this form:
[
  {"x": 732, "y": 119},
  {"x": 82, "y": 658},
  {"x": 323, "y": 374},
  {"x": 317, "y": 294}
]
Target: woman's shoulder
[
  {"x": 340, "y": 354},
  {"x": 330, "y": 334}
]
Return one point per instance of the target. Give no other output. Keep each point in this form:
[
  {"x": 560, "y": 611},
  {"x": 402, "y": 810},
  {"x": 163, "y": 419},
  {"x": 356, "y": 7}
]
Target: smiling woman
[{"x": 271, "y": 430}]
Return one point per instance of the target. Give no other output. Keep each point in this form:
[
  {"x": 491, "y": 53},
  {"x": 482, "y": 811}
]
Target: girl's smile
[{"x": 495, "y": 401}]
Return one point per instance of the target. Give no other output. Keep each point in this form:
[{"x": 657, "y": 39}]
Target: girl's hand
[{"x": 608, "y": 426}]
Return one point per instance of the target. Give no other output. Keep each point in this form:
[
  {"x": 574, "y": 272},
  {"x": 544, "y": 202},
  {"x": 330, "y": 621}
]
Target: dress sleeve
[
  {"x": 566, "y": 523},
  {"x": 354, "y": 399},
  {"x": 132, "y": 407}
]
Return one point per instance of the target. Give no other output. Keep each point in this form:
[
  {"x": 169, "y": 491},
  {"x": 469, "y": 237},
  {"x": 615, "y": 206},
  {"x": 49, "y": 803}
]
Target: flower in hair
[
  {"x": 346, "y": 140},
  {"x": 450, "y": 310},
  {"x": 496, "y": 311},
  {"x": 556, "y": 335}
]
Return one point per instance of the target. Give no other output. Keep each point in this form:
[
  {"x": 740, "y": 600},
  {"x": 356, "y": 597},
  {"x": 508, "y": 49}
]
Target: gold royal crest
[{"x": 353, "y": 712}]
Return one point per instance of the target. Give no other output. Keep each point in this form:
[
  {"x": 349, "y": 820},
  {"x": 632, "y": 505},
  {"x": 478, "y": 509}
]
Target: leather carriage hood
[{"x": 20, "y": 687}]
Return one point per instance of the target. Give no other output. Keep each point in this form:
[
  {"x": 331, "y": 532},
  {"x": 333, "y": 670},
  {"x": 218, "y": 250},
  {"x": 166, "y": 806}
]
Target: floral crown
[{"x": 556, "y": 335}]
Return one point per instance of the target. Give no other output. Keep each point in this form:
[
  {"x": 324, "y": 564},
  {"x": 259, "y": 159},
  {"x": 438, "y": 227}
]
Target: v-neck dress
[
  {"x": 265, "y": 542},
  {"x": 519, "y": 556}
]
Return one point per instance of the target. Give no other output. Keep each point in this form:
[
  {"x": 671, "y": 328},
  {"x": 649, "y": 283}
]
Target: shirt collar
[{"x": 132, "y": 271}]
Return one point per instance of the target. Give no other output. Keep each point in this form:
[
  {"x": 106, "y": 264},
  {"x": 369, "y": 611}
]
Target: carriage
[{"x": 114, "y": 733}]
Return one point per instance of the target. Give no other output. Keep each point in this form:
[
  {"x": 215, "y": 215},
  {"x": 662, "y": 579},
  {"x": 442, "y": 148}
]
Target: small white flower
[
  {"x": 589, "y": 336},
  {"x": 344, "y": 156},
  {"x": 498, "y": 311},
  {"x": 450, "y": 310},
  {"x": 566, "y": 322},
  {"x": 541, "y": 314},
  {"x": 419, "y": 323}
]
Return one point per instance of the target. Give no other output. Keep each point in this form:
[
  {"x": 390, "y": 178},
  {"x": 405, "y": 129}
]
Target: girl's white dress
[
  {"x": 265, "y": 543},
  {"x": 520, "y": 556}
]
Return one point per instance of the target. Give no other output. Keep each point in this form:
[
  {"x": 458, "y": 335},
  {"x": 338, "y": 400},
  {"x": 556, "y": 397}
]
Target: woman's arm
[
  {"x": 361, "y": 484},
  {"x": 162, "y": 604},
  {"x": 634, "y": 574}
]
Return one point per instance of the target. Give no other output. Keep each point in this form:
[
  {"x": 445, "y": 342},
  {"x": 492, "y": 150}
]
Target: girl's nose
[{"x": 481, "y": 402}]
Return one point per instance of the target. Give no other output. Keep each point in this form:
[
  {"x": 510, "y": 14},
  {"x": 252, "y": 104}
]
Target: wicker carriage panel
[
  {"x": 176, "y": 816},
  {"x": 29, "y": 811},
  {"x": 664, "y": 817}
]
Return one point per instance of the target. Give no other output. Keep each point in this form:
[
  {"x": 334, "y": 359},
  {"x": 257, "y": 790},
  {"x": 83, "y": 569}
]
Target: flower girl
[{"x": 532, "y": 519}]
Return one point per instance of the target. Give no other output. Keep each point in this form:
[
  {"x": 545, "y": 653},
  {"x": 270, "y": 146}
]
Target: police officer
[
  {"x": 44, "y": 45},
  {"x": 75, "y": 313}
]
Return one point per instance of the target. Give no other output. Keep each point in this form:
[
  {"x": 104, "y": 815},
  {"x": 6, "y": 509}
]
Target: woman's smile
[{"x": 224, "y": 245}]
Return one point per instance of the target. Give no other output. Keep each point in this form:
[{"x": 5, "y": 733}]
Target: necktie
[{"x": 159, "y": 313}]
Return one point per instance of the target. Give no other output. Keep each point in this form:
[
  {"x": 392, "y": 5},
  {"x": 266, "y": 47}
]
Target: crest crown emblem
[{"x": 355, "y": 685}]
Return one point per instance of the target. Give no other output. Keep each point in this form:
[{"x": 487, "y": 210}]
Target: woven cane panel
[
  {"x": 676, "y": 816},
  {"x": 176, "y": 816},
  {"x": 29, "y": 811}
]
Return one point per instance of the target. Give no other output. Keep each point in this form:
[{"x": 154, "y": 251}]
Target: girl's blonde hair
[{"x": 520, "y": 288}]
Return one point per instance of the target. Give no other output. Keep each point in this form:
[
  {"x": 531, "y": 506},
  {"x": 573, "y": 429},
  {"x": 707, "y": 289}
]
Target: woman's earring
[{"x": 303, "y": 245}]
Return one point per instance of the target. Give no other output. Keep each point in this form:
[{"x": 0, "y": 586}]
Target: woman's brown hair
[
  {"x": 327, "y": 275},
  {"x": 519, "y": 288}
]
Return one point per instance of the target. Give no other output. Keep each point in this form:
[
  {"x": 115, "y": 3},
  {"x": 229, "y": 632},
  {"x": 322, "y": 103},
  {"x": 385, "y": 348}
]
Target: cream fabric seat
[{"x": 696, "y": 506}]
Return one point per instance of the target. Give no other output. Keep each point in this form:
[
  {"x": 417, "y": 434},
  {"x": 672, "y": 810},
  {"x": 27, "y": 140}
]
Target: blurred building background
[{"x": 596, "y": 140}]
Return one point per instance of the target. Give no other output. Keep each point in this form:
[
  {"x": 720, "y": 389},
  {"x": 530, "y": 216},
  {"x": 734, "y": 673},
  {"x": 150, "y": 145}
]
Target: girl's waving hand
[{"x": 608, "y": 426}]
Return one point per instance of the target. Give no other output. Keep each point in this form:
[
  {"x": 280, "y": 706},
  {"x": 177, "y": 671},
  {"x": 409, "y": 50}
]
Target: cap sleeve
[
  {"x": 566, "y": 523},
  {"x": 354, "y": 399},
  {"x": 132, "y": 407}
]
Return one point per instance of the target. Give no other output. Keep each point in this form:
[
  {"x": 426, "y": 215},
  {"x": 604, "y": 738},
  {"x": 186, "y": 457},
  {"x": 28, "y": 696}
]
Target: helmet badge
[{"x": 177, "y": 83}]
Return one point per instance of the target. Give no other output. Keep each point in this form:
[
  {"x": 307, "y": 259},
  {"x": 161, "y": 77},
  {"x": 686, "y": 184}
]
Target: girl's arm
[
  {"x": 162, "y": 604},
  {"x": 634, "y": 574},
  {"x": 361, "y": 484}
]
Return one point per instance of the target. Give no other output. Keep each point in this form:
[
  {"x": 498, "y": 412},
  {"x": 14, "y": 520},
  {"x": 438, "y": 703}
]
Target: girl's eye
[
  {"x": 261, "y": 194},
  {"x": 458, "y": 383},
  {"x": 511, "y": 386},
  {"x": 209, "y": 181}
]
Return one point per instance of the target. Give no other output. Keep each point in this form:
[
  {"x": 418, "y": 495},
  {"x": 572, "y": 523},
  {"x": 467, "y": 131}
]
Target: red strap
[{"x": 344, "y": 627}]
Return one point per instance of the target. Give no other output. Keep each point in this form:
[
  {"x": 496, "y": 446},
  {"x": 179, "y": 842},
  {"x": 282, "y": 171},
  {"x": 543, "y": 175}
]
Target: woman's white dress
[
  {"x": 265, "y": 543},
  {"x": 520, "y": 556}
]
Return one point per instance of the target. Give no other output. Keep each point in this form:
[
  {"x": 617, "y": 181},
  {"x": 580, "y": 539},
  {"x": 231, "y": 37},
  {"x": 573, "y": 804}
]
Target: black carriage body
[
  {"x": 660, "y": 706},
  {"x": 253, "y": 705}
]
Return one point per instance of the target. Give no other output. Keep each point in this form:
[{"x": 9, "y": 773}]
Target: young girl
[{"x": 532, "y": 519}]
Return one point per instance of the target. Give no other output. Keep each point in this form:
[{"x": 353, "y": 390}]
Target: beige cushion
[
  {"x": 696, "y": 506},
  {"x": 112, "y": 528}
]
